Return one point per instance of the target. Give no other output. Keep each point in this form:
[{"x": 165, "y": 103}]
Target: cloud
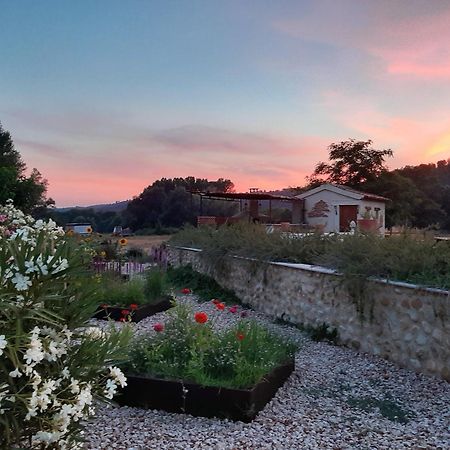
[
  {"x": 411, "y": 42},
  {"x": 120, "y": 163}
]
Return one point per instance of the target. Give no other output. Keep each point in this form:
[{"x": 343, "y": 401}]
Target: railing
[{"x": 128, "y": 268}]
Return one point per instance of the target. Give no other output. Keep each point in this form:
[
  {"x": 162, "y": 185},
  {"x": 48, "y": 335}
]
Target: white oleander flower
[
  {"x": 3, "y": 343},
  {"x": 21, "y": 282},
  {"x": 118, "y": 376},
  {"x": 15, "y": 373}
]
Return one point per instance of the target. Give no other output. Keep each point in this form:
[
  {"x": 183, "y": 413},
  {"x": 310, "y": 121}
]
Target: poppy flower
[
  {"x": 122, "y": 319},
  {"x": 125, "y": 312},
  {"x": 133, "y": 306},
  {"x": 201, "y": 317},
  {"x": 185, "y": 291},
  {"x": 233, "y": 309},
  {"x": 215, "y": 301},
  {"x": 158, "y": 327},
  {"x": 240, "y": 336},
  {"x": 123, "y": 241},
  {"x": 220, "y": 306}
]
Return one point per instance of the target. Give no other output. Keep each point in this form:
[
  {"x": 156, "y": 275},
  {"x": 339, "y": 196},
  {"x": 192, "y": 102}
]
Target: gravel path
[{"x": 336, "y": 399}]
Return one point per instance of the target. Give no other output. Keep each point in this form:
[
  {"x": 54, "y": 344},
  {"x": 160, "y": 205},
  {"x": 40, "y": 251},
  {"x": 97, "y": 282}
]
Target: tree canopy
[
  {"x": 168, "y": 202},
  {"x": 351, "y": 163},
  {"x": 27, "y": 192}
]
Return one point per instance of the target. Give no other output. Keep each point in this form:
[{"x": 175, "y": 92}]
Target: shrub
[
  {"x": 204, "y": 286},
  {"x": 114, "y": 290},
  {"x": 156, "y": 284},
  {"x": 361, "y": 256},
  {"x": 51, "y": 366},
  {"x": 187, "y": 347}
]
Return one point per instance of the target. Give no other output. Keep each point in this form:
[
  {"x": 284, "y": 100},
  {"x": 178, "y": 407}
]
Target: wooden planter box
[
  {"x": 115, "y": 312},
  {"x": 205, "y": 401}
]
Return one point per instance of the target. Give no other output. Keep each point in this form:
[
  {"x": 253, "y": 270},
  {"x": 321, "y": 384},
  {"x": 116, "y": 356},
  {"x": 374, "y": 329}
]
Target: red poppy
[
  {"x": 158, "y": 327},
  {"x": 233, "y": 309},
  {"x": 215, "y": 301},
  {"x": 125, "y": 312},
  {"x": 185, "y": 291},
  {"x": 122, "y": 319},
  {"x": 134, "y": 306},
  {"x": 220, "y": 306},
  {"x": 201, "y": 317},
  {"x": 240, "y": 336}
]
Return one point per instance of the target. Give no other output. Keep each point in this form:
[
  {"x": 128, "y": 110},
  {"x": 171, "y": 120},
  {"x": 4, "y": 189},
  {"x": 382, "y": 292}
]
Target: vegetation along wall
[{"x": 404, "y": 323}]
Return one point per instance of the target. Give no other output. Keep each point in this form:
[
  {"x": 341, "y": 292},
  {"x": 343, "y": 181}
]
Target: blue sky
[{"x": 103, "y": 97}]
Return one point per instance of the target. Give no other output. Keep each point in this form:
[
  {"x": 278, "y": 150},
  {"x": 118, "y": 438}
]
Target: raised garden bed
[
  {"x": 135, "y": 315},
  {"x": 207, "y": 401}
]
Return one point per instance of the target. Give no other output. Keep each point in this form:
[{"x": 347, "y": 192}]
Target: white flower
[
  {"x": 110, "y": 389},
  {"x": 118, "y": 376},
  {"x": 15, "y": 373},
  {"x": 85, "y": 396},
  {"x": 74, "y": 386},
  {"x": 94, "y": 332},
  {"x": 21, "y": 282},
  {"x": 3, "y": 343}
]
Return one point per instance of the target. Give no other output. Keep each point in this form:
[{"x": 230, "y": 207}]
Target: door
[{"x": 347, "y": 213}]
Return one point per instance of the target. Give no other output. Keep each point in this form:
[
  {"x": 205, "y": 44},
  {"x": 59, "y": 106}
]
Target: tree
[
  {"x": 27, "y": 192},
  {"x": 168, "y": 202},
  {"x": 351, "y": 163}
]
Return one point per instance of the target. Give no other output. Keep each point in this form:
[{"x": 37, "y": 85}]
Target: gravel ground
[{"x": 336, "y": 399}]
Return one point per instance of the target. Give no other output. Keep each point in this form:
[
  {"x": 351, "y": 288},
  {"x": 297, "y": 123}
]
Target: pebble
[{"x": 334, "y": 400}]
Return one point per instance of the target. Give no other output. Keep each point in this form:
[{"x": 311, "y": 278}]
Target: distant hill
[{"x": 118, "y": 206}]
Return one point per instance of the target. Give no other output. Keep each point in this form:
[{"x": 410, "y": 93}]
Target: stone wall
[{"x": 407, "y": 324}]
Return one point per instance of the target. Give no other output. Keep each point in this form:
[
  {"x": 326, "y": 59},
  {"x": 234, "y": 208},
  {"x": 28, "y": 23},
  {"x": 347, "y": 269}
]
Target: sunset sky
[{"x": 105, "y": 96}]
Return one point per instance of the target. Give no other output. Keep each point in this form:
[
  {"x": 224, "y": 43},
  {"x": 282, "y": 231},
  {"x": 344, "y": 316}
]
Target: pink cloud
[{"x": 406, "y": 44}]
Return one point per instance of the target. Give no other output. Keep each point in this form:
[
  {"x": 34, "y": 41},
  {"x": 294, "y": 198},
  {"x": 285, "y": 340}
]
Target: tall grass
[{"x": 400, "y": 258}]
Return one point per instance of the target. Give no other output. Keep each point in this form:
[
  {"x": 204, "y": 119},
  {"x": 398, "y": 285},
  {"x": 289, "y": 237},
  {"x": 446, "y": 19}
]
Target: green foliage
[
  {"x": 204, "y": 286},
  {"x": 323, "y": 332},
  {"x": 115, "y": 291},
  {"x": 156, "y": 284},
  {"x": 168, "y": 203},
  {"x": 51, "y": 364},
  {"x": 358, "y": 258},
  {"x": 191, "y": 351},
  {"x": 351, "y": 163},
  {"x": 28, "y": 192},
  {"x": 250, "y": 240}
]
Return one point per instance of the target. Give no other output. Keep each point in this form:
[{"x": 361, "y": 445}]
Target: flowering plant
[
  {"x": 190, "y": 347},
  {"x": 51, "y": 365}
]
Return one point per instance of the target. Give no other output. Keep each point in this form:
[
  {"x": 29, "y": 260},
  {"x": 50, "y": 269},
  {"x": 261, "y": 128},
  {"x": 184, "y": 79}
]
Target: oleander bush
[
  {"x": 52, "y": 366},
  {"x": 188, "y": 347}
]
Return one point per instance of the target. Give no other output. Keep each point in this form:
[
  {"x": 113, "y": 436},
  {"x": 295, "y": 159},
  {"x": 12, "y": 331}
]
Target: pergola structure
[{"x": 249, "y": 203}]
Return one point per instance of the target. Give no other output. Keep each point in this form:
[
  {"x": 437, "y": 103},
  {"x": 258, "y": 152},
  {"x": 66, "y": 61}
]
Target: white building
[
  {"x": 79, "y": 228},
  {"x": 332, "y": 208}
]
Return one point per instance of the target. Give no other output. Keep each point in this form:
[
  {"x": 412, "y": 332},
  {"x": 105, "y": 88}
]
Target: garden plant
[
  {"x": 52, "y": 366},
  {"x": 188, "y": 347}
]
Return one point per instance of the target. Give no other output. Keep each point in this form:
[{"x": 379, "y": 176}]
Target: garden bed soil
[
  {"x": 206, "y": 401},
  {"x": 143, "y": 311}
]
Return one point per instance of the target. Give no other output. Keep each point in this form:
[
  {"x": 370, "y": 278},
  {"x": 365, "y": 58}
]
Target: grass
[
  {"x": 141, "y": 290},
  {"x": 402, "y": 258}
]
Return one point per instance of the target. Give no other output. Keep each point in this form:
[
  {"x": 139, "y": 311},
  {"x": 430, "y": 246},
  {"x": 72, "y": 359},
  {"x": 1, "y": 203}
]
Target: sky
[{"x": 106, "y": 96}]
